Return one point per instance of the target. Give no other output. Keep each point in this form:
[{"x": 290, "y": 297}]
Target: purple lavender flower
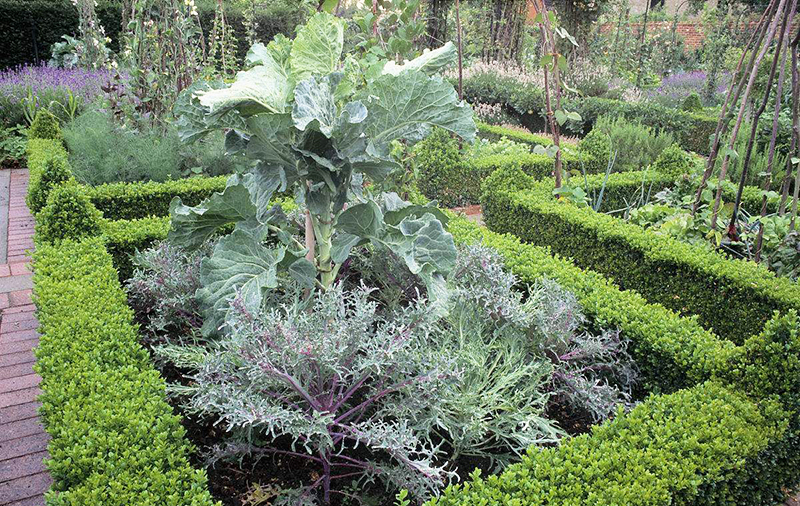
[
  {"x": 46, "y": 84},
  {"x": 675, "y": 88}
]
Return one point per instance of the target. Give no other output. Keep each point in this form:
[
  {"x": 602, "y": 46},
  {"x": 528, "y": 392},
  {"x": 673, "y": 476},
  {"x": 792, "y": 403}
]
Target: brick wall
[{"x": 692, "y": 33}]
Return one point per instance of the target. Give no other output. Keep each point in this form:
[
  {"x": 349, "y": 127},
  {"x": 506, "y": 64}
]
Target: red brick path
[{"x": 23, "y": 442}]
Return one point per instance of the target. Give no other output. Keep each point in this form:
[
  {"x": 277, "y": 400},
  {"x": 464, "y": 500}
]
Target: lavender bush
[
  {"x": 675, "y": 88},
  {"x": 37, "y": 86}
]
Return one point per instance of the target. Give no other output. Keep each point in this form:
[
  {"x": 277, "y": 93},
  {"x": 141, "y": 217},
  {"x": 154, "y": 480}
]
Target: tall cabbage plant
[{"x": 315, "y": 124}]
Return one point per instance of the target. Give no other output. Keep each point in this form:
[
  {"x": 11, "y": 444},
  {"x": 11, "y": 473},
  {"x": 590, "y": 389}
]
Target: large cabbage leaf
[
  {"x": 314, "y": 105},
  {"x": 430, "y": 62},
  {"x": 412, "y": 232},
  {"x": 240, "y": 266},
  {"x": 192, "y": 119},
  {"x": 317, "y": 49},
  {"x": 192, "y": 226},
  {"x": 407, "y": 105},
  {"x": 264, "y": 88}
]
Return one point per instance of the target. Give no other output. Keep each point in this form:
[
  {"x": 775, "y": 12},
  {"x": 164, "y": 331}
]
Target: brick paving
[{"x": 23, "y": 442}]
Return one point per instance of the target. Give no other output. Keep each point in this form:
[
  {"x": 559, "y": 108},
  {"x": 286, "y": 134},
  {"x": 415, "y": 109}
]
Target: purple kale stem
[
  {"x": 377, "y": 396},
  {"x": 349, "y": 393}
]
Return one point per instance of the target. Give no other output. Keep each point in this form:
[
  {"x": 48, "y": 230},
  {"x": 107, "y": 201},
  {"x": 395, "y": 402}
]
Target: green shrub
[
  {"x": 46, "y": 172},
  {"x": 689, "y": 448},
  {"x": 114, "y": 439},
  {"x": 128, "y": 201},
  {"x": 442, "y": 169},
  {"x": 674, "y": 162},
  {"x": 495, "y": 133},
  {"x": 67, "y": 215},
  {"x": 632, "y": 145},
  {"x": 692, "y": 103},
  {"x": 733, "y": 297},
  {"x": 596, "y": 146},
  {"x": 44, "y": 126},
  {"x": 123, "y": 238}
]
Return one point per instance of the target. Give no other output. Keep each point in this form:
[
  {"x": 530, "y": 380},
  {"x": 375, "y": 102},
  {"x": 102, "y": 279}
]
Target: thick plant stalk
[
  {"x": 730, "y": 100},
  {"x": 795, "y": 145},
  {"x": 795, "y": 128},
  {"x": 548, "y": 41},
  {"x": 757, "y": 116},
  {"x": 641, "y": 44},
  {"x": 460, "y": 52},
  {"x": 616, "y": 40},
  {"x": 742, "y": 109},
  {"x": 783, "y": 46}
]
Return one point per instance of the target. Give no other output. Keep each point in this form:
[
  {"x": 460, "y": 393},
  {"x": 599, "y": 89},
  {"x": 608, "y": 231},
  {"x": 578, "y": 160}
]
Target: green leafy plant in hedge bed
[
  {"x": 733, "y": 297},
  {"x": 115, "y": 440},
  {"x": 319, "y": 127}
]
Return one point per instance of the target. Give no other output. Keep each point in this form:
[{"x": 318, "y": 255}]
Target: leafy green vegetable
[{"x": 316, "y": 126}]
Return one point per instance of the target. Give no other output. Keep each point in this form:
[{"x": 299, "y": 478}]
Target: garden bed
[{"x": 735, "y": 298}]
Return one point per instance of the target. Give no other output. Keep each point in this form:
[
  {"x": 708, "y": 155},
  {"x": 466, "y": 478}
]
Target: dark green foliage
[
  {"x": 692, "y": 103},
  {"x": 30, "y": 27},
  {"x": 115, "y": 440},
  {"x": 128, "y": 201},
  {"x": 68, "y": 215},
  {"x": 48, "y": 166},
  {"x": 443, "y": 172},
  {"x": 733, "y": 297},
  {"x": 684, "y": 448},
  {"x": 123, "y": 238},
  {"x": 596, "y": 146},
  {"x": 674, "y": 162},
  {"x": 44, "y": 126}
]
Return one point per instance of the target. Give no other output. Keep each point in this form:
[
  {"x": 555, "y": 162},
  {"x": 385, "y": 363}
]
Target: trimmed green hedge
[
  {"x": 680, "y": 449},
  {"x": 451, "y": 179},
  {"x": 115, "y": 440},
  {"x": 495, "y": 133},
  {"x": 128, "y": 201},
  {"x": 691, "y": 130},
  {"x": 733, "y": 297},
  {"x": 123, "y": 238}
]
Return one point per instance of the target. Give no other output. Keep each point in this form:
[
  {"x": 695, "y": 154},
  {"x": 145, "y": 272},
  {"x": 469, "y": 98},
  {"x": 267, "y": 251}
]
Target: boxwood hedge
[
  {"x": 448, "y": 177},
  {"x": 128, "y": 201},
  {"x": 733, "y": 297},
  {"x": 691, "y": 130},
  {"x": 688, "y": 447},
  {"x": 115, "y": 440}
]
